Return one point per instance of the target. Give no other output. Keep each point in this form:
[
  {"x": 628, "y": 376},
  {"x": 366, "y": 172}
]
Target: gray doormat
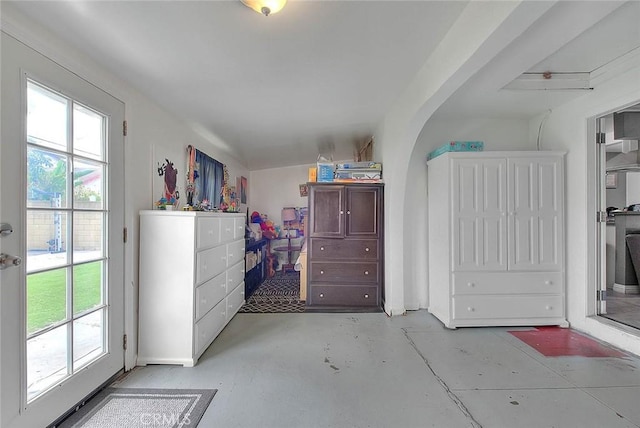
[{"x": 136, "y": 407}]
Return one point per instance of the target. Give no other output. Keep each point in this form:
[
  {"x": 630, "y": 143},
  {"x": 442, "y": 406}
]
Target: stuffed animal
[{"x": 267, "y": 227}]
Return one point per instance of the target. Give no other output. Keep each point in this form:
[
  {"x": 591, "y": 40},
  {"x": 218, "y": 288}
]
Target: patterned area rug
[
  {"x": 138, "y": 408},
  {"x": 280, "y": 293}
]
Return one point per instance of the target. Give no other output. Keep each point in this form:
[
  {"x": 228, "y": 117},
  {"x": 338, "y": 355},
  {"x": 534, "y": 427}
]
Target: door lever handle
[{"x": 9, "y": 261}]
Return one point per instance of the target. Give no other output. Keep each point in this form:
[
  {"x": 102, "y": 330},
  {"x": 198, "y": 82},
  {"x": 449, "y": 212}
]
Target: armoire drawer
[
  {"x": 350, "y": 272},
  {"x": 503, "y": 307},
  {"x": 209, "y": 326},
  {"x": 342, "y": 295},
  {"x": 341, "y": 249},
  {"x": 210, "y": 294},
  {"x": 507, "y": 283}
]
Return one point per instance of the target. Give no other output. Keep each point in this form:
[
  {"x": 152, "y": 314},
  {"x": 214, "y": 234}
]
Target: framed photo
[
  {"x": 241, "y": 187},
  {"x": 611, "y": 180},
  {"x": 304, "y": 190}
]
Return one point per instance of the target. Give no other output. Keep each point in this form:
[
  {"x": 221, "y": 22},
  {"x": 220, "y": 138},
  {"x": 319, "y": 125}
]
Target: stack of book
[{"x": 366, "y": 171}]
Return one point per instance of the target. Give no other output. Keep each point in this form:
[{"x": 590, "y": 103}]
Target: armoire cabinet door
[
  {"x": 479, "y": 214},
  {"x": 535, "y": 213},
  {"x": 326, "y": 206},
  {"x": 363, "y": 212}
]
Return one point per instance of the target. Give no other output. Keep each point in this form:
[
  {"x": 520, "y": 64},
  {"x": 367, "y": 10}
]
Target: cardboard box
[{"x": 313, "y": 174}]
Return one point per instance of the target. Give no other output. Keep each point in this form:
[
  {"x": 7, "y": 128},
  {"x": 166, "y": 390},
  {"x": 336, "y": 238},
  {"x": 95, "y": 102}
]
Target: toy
[{"x": 267, "y": 227}]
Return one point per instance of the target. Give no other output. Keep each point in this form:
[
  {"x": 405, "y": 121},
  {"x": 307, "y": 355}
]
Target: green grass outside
[{"x": 46, "y": 294}]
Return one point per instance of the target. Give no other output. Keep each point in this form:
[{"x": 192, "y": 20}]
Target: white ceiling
[{"x": 317, "y": 75}]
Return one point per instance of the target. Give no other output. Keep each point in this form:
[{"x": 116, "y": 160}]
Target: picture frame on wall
[{"x": 241, "y": 186}]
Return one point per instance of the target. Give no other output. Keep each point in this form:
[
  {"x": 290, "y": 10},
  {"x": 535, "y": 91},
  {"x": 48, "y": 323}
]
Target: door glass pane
[
  {"x": 88, "y": 338},
  {"x": 46, "y": 299},
  {"x": 88, "y": 232},
  {"x": 46, "y": 239},
  {"x": 87, "y": 286},
  {"x": 88, "y": 132},
  {"x": 46, "y": 117},
  {"x": 46, "y": 360},
  {"x": 46, "y": 179},
  {"x": 88, "y": 188}
]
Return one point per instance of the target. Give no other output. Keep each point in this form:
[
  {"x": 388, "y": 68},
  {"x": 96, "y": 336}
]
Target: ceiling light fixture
[{"x": 265, "y": 7}]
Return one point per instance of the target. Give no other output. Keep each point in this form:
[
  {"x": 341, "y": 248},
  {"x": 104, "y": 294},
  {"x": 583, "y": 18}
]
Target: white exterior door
[
  {"x": 61, "y": 188},
  {"x": 535, "y": 213},
  {"x": 479, "y": 214}
]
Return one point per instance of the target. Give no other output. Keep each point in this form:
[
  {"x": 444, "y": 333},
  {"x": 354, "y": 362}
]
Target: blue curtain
[{"x": 210, "y": 175}]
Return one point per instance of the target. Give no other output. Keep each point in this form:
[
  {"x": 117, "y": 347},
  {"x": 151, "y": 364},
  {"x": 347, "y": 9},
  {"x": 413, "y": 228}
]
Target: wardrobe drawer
[
  {"x": 503, "y": 307},
  {"x": 209, "y": 326},
  {"x": 235, "y": 275},
  {"x": 207, "y": 232},
  {"x": 210, "y": 263},
  {"x": 210, "y": 294},
  {"x": 235, "y": 299},
  {"x": 507, "y": 283},
  {"x": 235, "y": 252},
  {"x": 340, "y": 249},
  {"x": 362, "y": 272},
  {"x": 343, "y": 295}
]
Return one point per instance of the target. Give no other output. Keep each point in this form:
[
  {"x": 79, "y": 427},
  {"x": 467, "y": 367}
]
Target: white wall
[
  {"x": 152, "y": 132},
  {"x": 569, "y": 128},
  {"x": 275, "y": 188},
  {"x": 497, "y": 134}
]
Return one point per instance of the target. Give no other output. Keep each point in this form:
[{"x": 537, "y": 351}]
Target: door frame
[{"x": 29, "y": 62}]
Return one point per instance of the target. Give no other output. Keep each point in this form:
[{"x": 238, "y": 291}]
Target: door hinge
[
  {"x": 124, "y": 235},
  {"x": 124, "y": 128},
  {"x": 601, "y": 217},
  {"x": 601, "y": 138},
  {"x": 124, "y": 342},
  {"x": 601, "y": 295}
]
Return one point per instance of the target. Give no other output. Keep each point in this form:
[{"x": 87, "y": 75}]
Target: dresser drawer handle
[
  {"x": 348, "y": 212},
  {"x": 470, "y": 284},
  {"x": 547, "y": 282},
  {"x": 548, "y": 307},
  {"x": 204, "y": 301},
  {"x": 366, "y": 272},
  {"x": 470, "y": 309},
  {"x": 321, "y": 294},
  {"x": 367, "y": 249},
  {"x": 228, "y": 229},
  {"x": 223, "y": 285},
  {"x": 321, "y": 248},
  {"x": 366, "y": 296},
  {"x": 321, "y": 272}
]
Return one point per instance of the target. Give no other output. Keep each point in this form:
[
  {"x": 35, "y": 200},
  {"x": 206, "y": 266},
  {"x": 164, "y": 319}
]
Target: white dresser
[
  {"x": 191, "y": 282},
  {"x": 496, "y": 238}
]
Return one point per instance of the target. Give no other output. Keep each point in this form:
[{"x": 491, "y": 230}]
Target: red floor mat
[{"x": 561, "y": 342}]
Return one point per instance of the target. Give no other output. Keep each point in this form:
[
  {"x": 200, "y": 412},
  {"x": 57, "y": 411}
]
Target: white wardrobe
[
  {"x": 496, "y": 238},
  {"x": 191, "y": 282}
]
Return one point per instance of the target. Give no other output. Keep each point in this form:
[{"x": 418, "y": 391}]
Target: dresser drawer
[
  {"x": 235, "y": 299},
  {"x": 227, "y": 229},
  {"x": 210, "y": 263},
  {"x": 209, "y": 326},
  {"x": 210, "y": 294},
  {"x": 239, "y": 231},
  {"x": 507, "y": 283},
  {"x": 235, "y": 275},
  {"x": 341, "y": 249},
  {"x": 343, "y": 295},
  {"x": 235, "y": 252},
  {"x": 360, "y": 272},
  {"x": 207, "y": 232},
  {"x": 503, "y": 307}
]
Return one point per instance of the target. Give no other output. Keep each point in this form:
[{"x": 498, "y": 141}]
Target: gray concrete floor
[{"x": 369, "y": 370}]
